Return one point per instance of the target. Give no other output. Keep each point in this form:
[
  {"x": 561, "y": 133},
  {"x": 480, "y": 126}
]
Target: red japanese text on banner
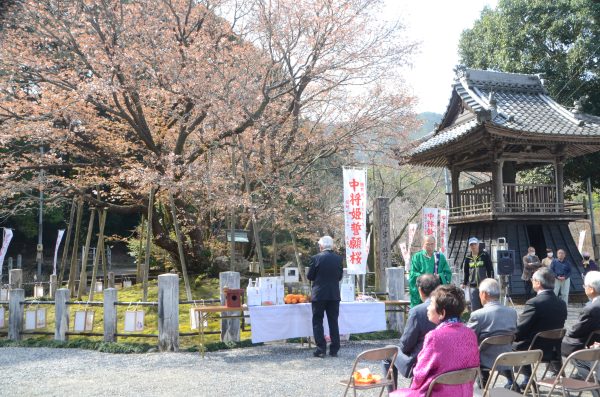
[
  {"x": 7, "y": 235},
  {"x": 430, "y": 222},
  {"x": 443, "y": 232},
  {"x": 355, "y": 219}
]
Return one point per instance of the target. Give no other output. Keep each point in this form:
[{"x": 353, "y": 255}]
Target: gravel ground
[{"x": 276, "y": 369}]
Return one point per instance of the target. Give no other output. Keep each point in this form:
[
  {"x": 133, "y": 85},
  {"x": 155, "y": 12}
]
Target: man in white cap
[
  {"x": 476, "y": 268},
  {"x": 325, "y": 272}
]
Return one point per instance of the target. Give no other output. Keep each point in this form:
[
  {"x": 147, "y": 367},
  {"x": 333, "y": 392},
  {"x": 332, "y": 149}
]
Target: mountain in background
[{"x": 429, "y": 120}]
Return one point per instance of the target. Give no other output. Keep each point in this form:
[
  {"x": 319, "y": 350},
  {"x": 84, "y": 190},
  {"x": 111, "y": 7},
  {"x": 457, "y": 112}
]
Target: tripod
[{"x": 505, "y": 290}]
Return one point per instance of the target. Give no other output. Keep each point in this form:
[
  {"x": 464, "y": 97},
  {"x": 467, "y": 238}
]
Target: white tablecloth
[{"x": 293, "y": 321}]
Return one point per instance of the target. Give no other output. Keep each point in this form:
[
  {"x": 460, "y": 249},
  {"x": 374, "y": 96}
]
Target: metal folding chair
[
  {"x": 496, "y": 340},
  {"x": 592, "y": 337},
  {"x": 513, "y": 360},
  {"x": 552, "y": 334},
  {"x": 388, "y": 353},
  {"x": 567, "y": 384},
  {"x": 459, "y": 377}
]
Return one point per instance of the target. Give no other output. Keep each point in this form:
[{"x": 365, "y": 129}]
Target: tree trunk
[
  {"x": 73, "y": 268},
  {"x": 146, "y": 268},
  {"x": 298, "y": 261}
]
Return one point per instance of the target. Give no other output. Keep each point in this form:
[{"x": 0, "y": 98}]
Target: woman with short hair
[{"x": 451, "y": 346}]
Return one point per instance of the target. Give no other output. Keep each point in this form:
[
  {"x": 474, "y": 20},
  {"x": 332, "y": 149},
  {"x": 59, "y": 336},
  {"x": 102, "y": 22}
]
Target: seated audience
[
  {"x": 588, "y": 322},
  {"x": 541, "y": 313},
  {"x": 451, "y": 346},
  {"x": 492, "y": 320}
]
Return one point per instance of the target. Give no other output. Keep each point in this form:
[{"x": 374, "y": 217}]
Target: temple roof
[{"x": 513, "y": 106}]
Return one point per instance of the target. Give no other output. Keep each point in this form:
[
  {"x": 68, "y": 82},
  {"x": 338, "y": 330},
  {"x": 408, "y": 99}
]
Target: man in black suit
[
  {"x": 541, "y": 313},
  {"x": 325, "y": 272},
  {"x": 589, "y": 321},
  {"x": 417, "y": 326}
]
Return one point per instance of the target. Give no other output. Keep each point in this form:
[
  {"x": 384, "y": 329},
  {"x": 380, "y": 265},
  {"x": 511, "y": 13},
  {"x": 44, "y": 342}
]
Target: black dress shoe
[
  {"x": 319, "y": 354},
  {"x": 333, "y": 354}
]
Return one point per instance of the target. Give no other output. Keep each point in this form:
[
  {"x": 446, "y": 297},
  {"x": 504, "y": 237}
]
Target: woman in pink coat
[{"x": 449, "y": 347}]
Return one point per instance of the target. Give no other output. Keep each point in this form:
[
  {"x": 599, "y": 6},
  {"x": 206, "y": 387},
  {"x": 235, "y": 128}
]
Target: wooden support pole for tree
[
  {"x": 85, "y": 255},
  {"x": 381, "y": 226},
  {"x": 15, "y": 316},
  {"x": 61, "y": 314},
  {"x": 298, "y": 261},
  {"x": 104, "y": 269},
  {"x": 230, "y": 328},
  {"x": 110, "y": 315},
  {"x": 168, "y": 313},
  {"x": 146, "y": 268},
  {"x": 186, "y": 281},
  {"x": 73, "y": 267},
  {"x": 274, "y": 259},
  {"x": 99, "y": 247},
  {"x": 65, "y": 254},
  {"x": 139, "y": 266}
]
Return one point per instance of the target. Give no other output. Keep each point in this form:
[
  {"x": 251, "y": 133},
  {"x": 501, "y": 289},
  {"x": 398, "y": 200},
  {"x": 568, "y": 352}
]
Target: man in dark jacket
[
  {"x": 325, "y": 272},
  {"x": 476, "y": 268},
  {"x": 589, "y": 321},
  {"x": 541, "y": 313},
  {"x": 562, "y": 270}
]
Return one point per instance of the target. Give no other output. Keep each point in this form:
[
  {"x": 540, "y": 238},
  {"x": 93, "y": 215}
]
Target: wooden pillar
[
  {"x": 168, "y": 313},
  {"x": 381, "y": 226},
  {"x": 61, "y": 312},
  {"x": 454, "y": 179},
  {"x": 110, "y": 315},
  {"x": 15, "y": 317},
  {"x": 395, "y": 289},
  {"x": 15, "y": 278},
  {"x": 230, "y": 328},
  {"x": 498, "y": 184},
  {"x": 560, "y": 189}
]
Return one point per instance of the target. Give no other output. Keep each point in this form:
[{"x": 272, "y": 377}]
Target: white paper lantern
[
  {"x": 134, "y": 321},
  {"x": 126, "y": 283},
  {"x": 83, "y": 321},
  {"x": 4, "y": 293},
  {"x": 40, "y": 318},
  {"x": 99, "y": 286},
  {"x": 2, "y": 324},
  {"x": 38, "y": 291},
  {"x": 30, "y": 319},
  {"x": 195, "y": 316}
]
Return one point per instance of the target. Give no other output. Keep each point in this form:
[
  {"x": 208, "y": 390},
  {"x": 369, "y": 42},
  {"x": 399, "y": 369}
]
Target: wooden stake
[
  {"x": 188, "y": 290},
  {"x": 73, "y": 267},
  {"x": 146, "y": 268},
  {"x": 139, "y": 269},
  {"x": 86, "y": 252},
  {"x": 99, "y": 246},
  {"x": 298, "y": 261},
  {"x": 63, "y": 261}
]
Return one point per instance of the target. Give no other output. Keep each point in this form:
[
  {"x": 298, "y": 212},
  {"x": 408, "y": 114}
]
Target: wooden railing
[{"x": 521, "y": 199}]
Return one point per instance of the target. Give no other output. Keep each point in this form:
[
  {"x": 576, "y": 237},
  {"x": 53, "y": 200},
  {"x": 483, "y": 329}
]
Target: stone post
[
  {"x": 19, "y": 261},
  {"x": 10, "y": 263},
  {"x": 110, "y": 314},
  {"x": 15, "y": 278},
  {"x": 61, "y": 314},
  {"x": 15, "y": 317},
  {"x": 52, "y": 285},
  {"x": 230, "y": 329},
  {"x": 168, "y": 312},
  {"x": 111, "y": 280},
  {"x": 381, "y": 223},
  {"x": 395, "y": 289}
]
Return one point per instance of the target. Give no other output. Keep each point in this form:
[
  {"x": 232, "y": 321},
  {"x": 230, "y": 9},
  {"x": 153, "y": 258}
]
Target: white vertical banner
[
  {"x": 7, "y": 235},
  {"x": 430, "y": 222},
  {"x": 355, "y": 219},
  {"x": 581, "y": 240},
  {"x": 443, "y": 232},
  {"x": 406, "y": 256},
  {"x": 412, "y": 231},
  {"x": 58, "y": 240}
]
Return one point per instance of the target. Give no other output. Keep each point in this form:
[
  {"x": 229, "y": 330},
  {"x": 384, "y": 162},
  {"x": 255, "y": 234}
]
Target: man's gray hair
[
  {"x": 592, "y": 280},
  {"x": 490, "y": 287},
  {"x": 326, "y": 242},
  {"x": 546, "y": 277}
]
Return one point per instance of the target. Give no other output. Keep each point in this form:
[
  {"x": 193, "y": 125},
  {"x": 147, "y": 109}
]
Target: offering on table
[
  {"x": 365, "y": 376},
  {"x": 291, "y": 299}
]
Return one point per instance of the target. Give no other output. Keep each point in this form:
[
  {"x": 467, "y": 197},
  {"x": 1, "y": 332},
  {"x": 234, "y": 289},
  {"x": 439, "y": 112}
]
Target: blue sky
[{"x": 437, "y": 24}]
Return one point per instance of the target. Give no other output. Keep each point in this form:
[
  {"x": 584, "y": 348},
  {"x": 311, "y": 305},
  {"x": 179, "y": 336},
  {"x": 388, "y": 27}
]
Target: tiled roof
[{"x": 521, "y": 104}]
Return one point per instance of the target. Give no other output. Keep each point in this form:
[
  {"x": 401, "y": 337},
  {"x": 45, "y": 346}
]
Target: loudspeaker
[{"x": 506, "y": 262}]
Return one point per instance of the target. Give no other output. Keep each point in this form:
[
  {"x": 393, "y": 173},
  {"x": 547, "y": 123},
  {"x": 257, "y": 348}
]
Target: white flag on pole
[
  {"x": 430, "y": 222},
  {"x": 443, "y": 232},
  {"x": 7, "y": 235},
  {"x": 58, "y": 240},
  {"x": 355, "y": 219}
]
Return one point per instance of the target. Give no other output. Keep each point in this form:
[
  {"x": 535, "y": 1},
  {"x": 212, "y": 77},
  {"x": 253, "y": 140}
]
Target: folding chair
[
  {"x": 497, "y": 340},
  {"x": 594, "y": 335},
  {"x": 552, "y": 334},
  {"x": 459, "y": 377},
  {"x": 388, "y": 353},
  {"x": 567, "y": 384},
  {"x": 512, "y": 359}
]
